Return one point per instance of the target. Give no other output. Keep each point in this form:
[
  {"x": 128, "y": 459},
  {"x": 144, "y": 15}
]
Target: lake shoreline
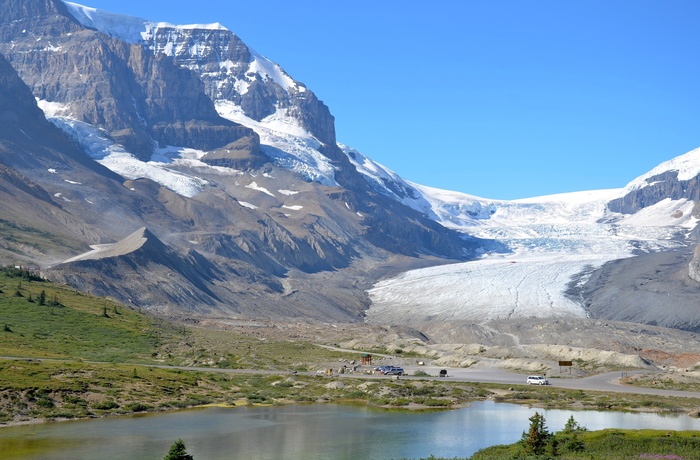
[{"x": 498, "y": 396}]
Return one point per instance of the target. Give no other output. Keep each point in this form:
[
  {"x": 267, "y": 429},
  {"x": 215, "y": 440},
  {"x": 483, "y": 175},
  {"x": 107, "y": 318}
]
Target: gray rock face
[
  {"x": 41, "y": 204},
  {"x": 176, "y": 279},
  {"x": 232, "y": 72},
  {"x": 694, "y": 266},
  {"x": 243, "y": 154},
  {"x": 659, "y": 187},
  {"x": 137, "y": 97}
]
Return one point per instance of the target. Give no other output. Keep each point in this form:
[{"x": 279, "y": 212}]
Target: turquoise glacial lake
[{"x": 317, "y": 431}]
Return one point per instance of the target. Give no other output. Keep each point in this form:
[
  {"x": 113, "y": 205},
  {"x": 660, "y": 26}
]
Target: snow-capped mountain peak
[
  {"x": 123, "y": 27},
  {"x": 246, "y": 87},
  {"x": 687, "y": 166}
]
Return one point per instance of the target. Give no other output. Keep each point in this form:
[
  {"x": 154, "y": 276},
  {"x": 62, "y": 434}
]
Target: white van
[{"x": 537, "y": 380}]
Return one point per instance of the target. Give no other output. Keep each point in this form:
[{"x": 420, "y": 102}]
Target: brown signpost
[{"x": 565, "y": 364}]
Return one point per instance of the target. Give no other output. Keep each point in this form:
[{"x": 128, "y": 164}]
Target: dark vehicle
[{"x": 393, "y": 370}]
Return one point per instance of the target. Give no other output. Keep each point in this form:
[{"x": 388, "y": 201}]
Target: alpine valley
[{"x": 178, "y": 171}]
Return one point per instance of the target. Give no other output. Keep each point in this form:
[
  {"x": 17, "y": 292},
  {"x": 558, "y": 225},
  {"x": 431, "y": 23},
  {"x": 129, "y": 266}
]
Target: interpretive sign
[{"x": 565, "y": 364}]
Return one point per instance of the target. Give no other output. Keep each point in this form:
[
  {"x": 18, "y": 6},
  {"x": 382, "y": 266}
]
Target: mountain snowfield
[{"x": 551, "y": 240}]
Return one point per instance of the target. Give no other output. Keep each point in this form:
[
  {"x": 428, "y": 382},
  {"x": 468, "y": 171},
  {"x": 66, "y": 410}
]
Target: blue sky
[{"x": 501, "y": 99}]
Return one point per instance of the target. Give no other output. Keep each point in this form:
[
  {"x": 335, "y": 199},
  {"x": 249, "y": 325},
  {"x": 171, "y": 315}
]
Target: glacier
[{"x": 555, "y": 242}]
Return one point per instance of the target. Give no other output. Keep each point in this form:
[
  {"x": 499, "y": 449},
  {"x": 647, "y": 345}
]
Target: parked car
[
  {"x": 537, "y": 380},
  {"x": 393, "y": 370}
]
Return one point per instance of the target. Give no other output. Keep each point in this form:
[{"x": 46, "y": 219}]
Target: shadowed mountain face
[
  {"x": 253, "y": 238},
  {"x": 117, "y": 270}
]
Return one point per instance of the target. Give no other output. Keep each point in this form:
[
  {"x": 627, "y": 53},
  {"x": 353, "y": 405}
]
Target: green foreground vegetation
[
  {"x": 65, "y": 354},
  {"x": 576, "y": 442}
]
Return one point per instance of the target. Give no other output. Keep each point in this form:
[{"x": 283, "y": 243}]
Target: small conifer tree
[
  {"x": 55, "y": 302},
  {"x": 535, "y": 440},
  {"x": 572, "y": 426},
  {"x": 178, "y": 452}
]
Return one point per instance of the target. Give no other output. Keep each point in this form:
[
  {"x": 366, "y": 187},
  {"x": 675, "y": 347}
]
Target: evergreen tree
[
  {"x": 535, "y": 440},
  {"x": 42, "y": 297},
  {"x": 178, "y": 452},
  {"x": 569, "y": 434},
  {"x": 54, "y": 302},
  {"x": 572, "y": 426}
]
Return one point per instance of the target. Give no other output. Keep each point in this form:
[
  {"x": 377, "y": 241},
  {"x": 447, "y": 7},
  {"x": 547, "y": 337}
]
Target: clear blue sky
[{"x": 501, "y": 99}]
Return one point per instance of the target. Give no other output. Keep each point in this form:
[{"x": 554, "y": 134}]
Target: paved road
[
  {"x": 609, "y": 381},
  {"x": 602, "y": 382}
]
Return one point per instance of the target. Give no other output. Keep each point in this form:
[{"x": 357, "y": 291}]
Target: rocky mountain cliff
[
  {"x": 694, "y": 266},
  {"x": 116, "y": 270},
  {"x": 659, "y": 187},
  {"x": 139, "y": 98}
]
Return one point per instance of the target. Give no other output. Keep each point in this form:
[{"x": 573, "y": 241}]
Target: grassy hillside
[
  {"x": 75, "y": 355},
  {"x": 44, "y": 320}
]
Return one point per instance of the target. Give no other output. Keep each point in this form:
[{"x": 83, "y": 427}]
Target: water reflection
[{"x": 305, "y": 432}]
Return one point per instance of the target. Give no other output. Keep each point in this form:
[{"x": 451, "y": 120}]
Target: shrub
[
  {"x": 105, "y": 405},
  {"x": 432, "y": 402},
  {"x": 178, "y": 452},
  {"x": 137, "y": 407},
  {"x": 45, "y": 402}
]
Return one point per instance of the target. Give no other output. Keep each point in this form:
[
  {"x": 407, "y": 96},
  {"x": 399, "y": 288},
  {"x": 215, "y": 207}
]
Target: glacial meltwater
[{"x": 317, "y": 431}]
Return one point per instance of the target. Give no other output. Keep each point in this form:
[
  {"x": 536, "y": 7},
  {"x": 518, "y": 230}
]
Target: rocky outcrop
[
  {"x": 137, "y": 97},
  {"x": 233, "y": 72},
  {"x": 694, "y": 266},
  {"x": 657, "y": 188},
  {"x": 42, "y": 207},
  {"x": 117, "y": 270},
  {"x": 244, "y": 154}
]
